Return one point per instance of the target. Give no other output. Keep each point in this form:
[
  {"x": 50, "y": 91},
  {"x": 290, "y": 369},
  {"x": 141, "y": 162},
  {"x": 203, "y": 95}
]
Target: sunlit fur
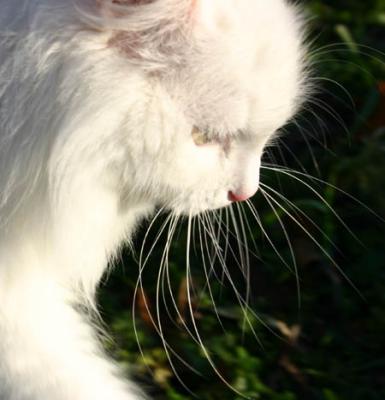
[{"x": 98, "y": 100}]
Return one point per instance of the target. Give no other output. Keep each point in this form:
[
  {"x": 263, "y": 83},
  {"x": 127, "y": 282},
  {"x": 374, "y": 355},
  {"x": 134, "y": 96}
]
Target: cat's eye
[{"x": 200, "y": 138}]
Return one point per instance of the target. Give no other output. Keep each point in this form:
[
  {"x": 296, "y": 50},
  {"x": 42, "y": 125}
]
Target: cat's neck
[{"x": 74, "y": 245}]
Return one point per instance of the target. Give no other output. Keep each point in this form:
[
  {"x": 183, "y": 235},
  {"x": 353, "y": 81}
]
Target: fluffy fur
[{"x": 98, "y": 101}]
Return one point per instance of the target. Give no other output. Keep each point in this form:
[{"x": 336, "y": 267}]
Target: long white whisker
[
  {"x": 246, "y": 266},
  {"x": 166, "y": 346},
  {"x": 208, "y": 275},
  {"x": 266, "y": 235},
  {"x": 314, "y": 240},
  {"x": 288, "y": 241},
  {"x": 292, "y": 173},
  {"x": 198, "y": 336},
  {"x": 139, "y": 286},
  {"x": 341, "y": 221},
  {"x": 302, "y": 213},
  {"x": 246, "y": 310}
]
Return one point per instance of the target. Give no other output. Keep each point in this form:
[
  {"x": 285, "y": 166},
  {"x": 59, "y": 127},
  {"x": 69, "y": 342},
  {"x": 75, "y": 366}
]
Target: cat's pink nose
[{"x": 237, "y": 197}]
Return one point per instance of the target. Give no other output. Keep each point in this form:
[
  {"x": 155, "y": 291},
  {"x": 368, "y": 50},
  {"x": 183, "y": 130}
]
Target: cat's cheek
[{"x": 197, "y": 163}]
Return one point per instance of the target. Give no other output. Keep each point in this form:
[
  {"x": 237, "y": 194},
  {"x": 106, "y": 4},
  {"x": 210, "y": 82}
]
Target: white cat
[{"x": 108, "y": 110}]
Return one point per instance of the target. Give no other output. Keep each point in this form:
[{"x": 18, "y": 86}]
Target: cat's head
[{"x": 221, "y": 77}]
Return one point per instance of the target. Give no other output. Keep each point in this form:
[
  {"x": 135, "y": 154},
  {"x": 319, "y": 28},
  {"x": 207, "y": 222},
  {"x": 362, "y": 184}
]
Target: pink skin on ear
[{"x": 193, "y": 6}]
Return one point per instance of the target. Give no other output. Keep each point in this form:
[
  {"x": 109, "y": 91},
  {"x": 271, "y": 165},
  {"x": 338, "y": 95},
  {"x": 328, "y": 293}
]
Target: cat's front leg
[
  {"x": 50, "y": 353},
  {"x": 49, "y": 270}
]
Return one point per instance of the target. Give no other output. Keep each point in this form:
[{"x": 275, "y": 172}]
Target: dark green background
[{"x": 329, "y": 341}]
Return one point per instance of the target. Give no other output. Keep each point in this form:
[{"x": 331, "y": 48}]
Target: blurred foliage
[{"x": 321, "y": 336}]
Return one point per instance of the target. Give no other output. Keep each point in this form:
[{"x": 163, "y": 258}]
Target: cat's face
[{"x": 210, "y": 112}]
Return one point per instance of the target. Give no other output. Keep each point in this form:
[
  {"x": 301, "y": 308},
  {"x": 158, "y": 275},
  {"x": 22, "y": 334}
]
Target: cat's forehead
[
  {"x": 226, "y": 14},
  {"x": 246, "y": 72}
]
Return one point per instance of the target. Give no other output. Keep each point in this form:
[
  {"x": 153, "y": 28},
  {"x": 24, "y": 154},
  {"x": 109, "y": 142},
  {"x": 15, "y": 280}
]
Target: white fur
[{"x": 97, "y": 105}]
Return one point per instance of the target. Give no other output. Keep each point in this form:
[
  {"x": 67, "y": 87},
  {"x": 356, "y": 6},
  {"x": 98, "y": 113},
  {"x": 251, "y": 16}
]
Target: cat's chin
[{"x": 194, "y": 211}]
